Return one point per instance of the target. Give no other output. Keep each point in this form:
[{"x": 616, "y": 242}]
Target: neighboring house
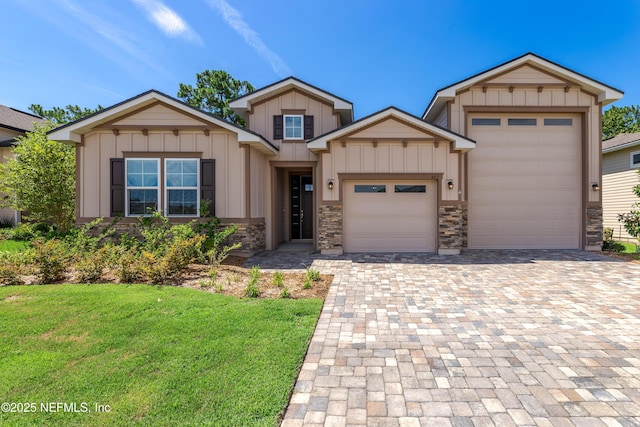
[
  {"x": 13, "y": 123},
  {"x": 504, "y": 159},
  {"x": 620, "y": 166}
]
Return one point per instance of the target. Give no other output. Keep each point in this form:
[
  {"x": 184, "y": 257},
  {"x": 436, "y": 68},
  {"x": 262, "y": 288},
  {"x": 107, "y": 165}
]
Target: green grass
[
  {"x": 13, "y": 245},
  {"x": 629, "y": 248},
  {"x": 155, "y": 355}
]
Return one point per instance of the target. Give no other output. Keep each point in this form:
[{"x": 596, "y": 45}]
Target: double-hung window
[
  {"x": 292, "y": 127},
  {"x": 143, "y": 185},
  {"x": 181, "y": 187}
]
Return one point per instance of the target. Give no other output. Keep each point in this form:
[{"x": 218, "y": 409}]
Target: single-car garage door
[
  {"x": 524, "y": 181},
  {"x": 389, "y": 216}
]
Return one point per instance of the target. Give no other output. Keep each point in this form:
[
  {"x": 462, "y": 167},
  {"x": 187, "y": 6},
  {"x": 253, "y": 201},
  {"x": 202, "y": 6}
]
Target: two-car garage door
[
  {"x": 525, "y": 181},
  {"x": 389, "y": 216}
]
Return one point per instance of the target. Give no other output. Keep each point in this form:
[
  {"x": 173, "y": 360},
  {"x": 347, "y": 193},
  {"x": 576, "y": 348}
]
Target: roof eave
[{"x": 624, "y": 146}]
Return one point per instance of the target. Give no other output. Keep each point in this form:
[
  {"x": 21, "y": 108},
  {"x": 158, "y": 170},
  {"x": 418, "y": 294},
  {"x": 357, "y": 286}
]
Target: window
[
  {"x": 292, "y": 127},
  {"x": 558, "y": 122},
  {"x": 485, "y": 122},
  {"x": 181, "y": 187},
  {"x": 410, "y": 188},
  {"x": 522, "y": 122},
  {"x": 142, "y": 185},
  {"x": 635, "y": 159},
  {"x": 370, "y": 188}
]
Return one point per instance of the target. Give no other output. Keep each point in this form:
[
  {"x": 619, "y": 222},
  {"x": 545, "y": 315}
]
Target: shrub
[
  {"x": 611, "y": 246},
  {"x": 51, "y": 260},
  {"x": 285, "y": 293},
  {"x": 125, "y": 264},
  {"x": 253, "y": 290},
  {"x": 168, "y": 267},
  {"x": 278, "y": 279},
  {"x": 307, "y": 283},
  {"x": 607, "y": 234},
  {"x": 11, "y": 266},
  {"x": 6, "y": 222},
  {"x": 313, "y": 274},
  {"x": 89, "y": 268}
]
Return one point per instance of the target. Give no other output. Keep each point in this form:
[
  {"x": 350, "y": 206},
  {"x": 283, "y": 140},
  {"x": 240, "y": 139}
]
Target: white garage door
[
  {"x": 389, "y": 216},
  {"x": 524, "y": 181}
]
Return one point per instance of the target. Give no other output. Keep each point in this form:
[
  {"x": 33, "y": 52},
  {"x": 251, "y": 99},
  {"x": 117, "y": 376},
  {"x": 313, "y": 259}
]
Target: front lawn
[
  {"x": 13, "y": 245},
  {"x": 149, "y": 355}
]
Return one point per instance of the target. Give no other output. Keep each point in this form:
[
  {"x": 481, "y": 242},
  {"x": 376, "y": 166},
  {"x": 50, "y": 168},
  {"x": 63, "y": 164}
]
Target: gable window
[
  {"x": 292, "y": 127},
  {"x": 181, "y": 187},
  {"x": 635, "y": 159},
  {"x": 143, "y": 185}
]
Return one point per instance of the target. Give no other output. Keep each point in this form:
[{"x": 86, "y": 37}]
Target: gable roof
[
  {"x": 460, "y": 142},
  {"x": 243, "y": 104},
  {"x": 620, "y": 142},
  {"x": 71, "y": 132},
  {"x": 606, "y": 94},
  {"x": 17, "y": 121}
]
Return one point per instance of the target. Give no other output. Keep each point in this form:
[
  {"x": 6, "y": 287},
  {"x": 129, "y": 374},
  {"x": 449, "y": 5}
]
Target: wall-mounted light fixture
[
  {"x": 330, "y": 184},
  {"x": 595, "y": 186},
  {"x": 450, "y": 184}
]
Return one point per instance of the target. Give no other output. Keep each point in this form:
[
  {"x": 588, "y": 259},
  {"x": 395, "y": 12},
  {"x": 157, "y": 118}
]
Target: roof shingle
[
  {"x": 621, "y": 139},
  {"x": 17, "y": 120}
]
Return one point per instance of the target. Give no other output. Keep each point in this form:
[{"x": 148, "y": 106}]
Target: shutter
[
  {"x": 278, "y": 127},
  {"x": 117, "y": 187},
  {"x": 208, "y": 183},
  {"x": 308, "y": 127}
]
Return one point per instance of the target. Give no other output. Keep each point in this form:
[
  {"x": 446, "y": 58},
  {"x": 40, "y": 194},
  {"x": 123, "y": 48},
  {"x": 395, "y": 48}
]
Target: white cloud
[
  {"x": 234, "y": 19},
  {"x": 167, "y": 20}
]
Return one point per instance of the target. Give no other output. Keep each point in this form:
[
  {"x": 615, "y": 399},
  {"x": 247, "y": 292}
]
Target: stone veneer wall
[
  {"x": 330, "y": 228},
  {"x": 452, "y": 227},
  {"x": 594, "y": 227}
]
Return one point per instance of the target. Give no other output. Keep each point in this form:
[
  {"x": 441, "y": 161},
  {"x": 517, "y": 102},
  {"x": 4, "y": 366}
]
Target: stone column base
[
  {"x": 452, "y": 230},
  {"x": 330, "y": 229}
]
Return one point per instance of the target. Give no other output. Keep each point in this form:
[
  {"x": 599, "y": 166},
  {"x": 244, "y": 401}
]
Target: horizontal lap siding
[{"x": 618, "y": 181}]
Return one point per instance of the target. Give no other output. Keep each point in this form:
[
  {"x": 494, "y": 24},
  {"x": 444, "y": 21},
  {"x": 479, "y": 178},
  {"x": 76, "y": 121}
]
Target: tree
[
  {"x": 213, "y": 91},
  {"x": 631, "y": 220},
  {"x": 40, "y": 178},
  {"x": 618, "y": 120},
  {"x": 60, "y": 116}
]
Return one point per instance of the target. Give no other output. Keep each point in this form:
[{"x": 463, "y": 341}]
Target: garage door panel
[
  {"x": 389, "y": 221},
  {"x": 524, "y": 185}
]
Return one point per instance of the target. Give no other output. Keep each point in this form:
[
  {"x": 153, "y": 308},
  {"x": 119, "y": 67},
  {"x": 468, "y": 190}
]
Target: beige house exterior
[
  {"x": 13, "y": 124},
  {"x": 505, "y": 159},
  {"x": 620, "y": 166}
]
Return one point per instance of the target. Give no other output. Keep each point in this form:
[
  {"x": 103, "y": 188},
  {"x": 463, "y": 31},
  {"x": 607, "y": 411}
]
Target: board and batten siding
[
  {"x": 618, "y": 181},
  {"x": 389, "y": 156},
  {"x": 100, "y": 146},
  {"x": 260, "y": 120},
  {"x": 558, "y": 93}
]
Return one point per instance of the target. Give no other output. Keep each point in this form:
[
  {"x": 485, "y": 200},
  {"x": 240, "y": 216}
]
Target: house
[
  {"x": 507, "y": 158},
  {"x": 620, "y": 166},
  {"x": 13, "y": 123}
]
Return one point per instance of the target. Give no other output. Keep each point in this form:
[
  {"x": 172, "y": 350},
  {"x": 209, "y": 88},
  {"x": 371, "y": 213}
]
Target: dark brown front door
[{"x": 301, "y": 207}]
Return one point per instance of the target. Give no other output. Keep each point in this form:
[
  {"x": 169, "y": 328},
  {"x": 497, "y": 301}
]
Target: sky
[{"x": 374, "y": 53}]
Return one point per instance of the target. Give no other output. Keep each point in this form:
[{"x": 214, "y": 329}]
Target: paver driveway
[{"x": 545, "y": 338}]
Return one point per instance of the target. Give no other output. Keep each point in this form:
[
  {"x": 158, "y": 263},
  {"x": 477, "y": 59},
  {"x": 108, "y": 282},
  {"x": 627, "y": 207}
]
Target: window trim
[
  {"x": 633, "y": 165},
  {"x": 167, "y": 188},
  {"x": 284, "y": 127},
  {"x": 127, "y": 187}
]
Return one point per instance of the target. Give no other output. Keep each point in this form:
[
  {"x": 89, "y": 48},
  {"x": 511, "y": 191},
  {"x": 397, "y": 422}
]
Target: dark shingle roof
[
  {"x": 17, "y": 120},
  {"x": 621, "y": 139}
]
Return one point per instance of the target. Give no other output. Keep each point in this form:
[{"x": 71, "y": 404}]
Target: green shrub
[
  {"x": 313, "y": 274},
  {"x": 11, "y": 269},
  {"x": 607, "y": 234},
  {"x": 611, "y": 246},
  {"x": 278, "y": 279},
  {"x": 125, "y": 263},
  {"x": 307, "y": 283},
  {"x": 89, "y": 268},
  {"x": 253, "y": 289},
  {"x": 51, "y": 260},
  {"x": 285, "y": 293},
  {"x": 168, "y": 267}
]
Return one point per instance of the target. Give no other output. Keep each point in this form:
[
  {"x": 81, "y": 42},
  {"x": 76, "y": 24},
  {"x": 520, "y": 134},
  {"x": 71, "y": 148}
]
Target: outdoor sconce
[
  {"x": 595, "y": 186},
  {"x": 450, "y": 184},
  {"x": 330, "y": 184}
]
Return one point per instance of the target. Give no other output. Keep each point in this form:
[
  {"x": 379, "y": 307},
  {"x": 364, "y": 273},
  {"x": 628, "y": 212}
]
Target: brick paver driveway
[{"x": 544, "y": 338}]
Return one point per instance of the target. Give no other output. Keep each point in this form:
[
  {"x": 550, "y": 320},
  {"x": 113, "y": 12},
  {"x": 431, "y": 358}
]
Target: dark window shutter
[
  {"x": 208, "y": 183},
  {"x": 308, "y": 127},
  {"x": 117, "y": 187},
  {"x": 278, "y": 127}
]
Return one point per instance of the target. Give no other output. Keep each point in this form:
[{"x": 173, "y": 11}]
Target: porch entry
[{"x": 301, "y": 192}]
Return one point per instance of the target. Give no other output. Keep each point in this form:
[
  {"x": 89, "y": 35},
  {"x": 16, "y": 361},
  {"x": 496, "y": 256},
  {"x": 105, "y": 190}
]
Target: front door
[{"x": 301, "y": 207}]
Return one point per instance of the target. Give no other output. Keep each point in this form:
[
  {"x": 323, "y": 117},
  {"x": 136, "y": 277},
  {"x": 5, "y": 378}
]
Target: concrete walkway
[{"x": 504, "y": 338}]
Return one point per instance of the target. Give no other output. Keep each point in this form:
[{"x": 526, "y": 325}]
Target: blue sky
[{"x": 372, "y": 53}]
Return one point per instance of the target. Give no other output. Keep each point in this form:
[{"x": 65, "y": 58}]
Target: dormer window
[{"x": 293, "y": 127}]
